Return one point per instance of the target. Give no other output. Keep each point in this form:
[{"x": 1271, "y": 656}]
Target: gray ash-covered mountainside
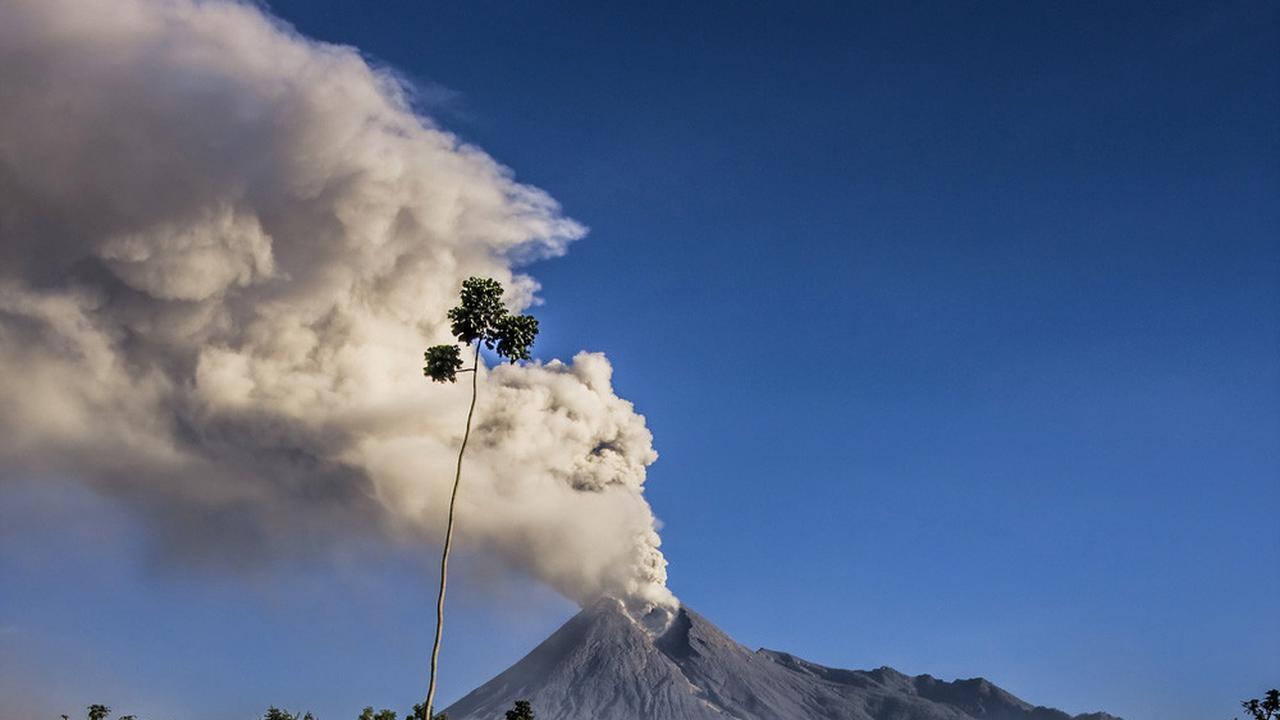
[{"x": 602, "y": 666}]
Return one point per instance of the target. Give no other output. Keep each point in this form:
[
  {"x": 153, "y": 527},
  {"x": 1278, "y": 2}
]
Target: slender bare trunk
[{"x": 448, "y": 540}]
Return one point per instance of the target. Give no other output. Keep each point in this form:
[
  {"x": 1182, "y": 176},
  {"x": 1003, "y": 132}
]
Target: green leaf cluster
[
  {"x": 275, "y": 713},
  {"x": 522, "y": 711},
  {"x": 443, "y": 363},
  {"x": 419, "y": 712},
  {"x": 479, "y": 310},
  {"x": 480, "y": 317},
  {"x": 513, "y": 336},
  {"x": 100, "y": 712},
  {"x": 1265, "y": 708}
]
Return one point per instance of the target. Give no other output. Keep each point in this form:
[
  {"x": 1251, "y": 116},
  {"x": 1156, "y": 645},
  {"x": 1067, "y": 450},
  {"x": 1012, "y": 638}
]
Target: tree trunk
[{"x": 448, "y": 540}]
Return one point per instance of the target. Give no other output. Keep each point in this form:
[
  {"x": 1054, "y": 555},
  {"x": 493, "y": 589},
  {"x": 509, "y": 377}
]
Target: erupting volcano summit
[{"x": 601, "y": 665}]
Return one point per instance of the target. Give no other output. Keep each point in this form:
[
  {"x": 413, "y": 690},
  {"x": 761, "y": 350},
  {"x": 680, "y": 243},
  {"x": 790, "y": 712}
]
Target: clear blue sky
[{"x": 957, "y": 326}]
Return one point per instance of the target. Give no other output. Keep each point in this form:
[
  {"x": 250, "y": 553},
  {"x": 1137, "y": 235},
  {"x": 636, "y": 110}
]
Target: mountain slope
[{"x": 602, "y": 666}]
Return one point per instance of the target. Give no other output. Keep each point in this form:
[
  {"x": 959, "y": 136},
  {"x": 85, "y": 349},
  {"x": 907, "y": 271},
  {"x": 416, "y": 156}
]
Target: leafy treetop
[
  {"x": 419, "y": 712},
  {"x": 275, "y": 713},
  {"x": 476, "y": 316},
  {"x": 1266, "y": 708},
  {"x": 481, "y": 318},
  {"x": 522, "y": 711}
]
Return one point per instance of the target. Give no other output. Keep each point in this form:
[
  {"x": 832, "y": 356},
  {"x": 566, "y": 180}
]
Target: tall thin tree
[{"x": 479, "y": 319}]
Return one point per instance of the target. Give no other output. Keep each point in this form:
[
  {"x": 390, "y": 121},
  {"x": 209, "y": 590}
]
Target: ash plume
[{"x": 223, "y": 249}]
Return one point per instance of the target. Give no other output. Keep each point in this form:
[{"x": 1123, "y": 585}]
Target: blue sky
[{"x": 957, "y": 326}]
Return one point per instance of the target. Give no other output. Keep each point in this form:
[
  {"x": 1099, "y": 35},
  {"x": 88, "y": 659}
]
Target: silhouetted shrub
[
  {"x": 522, "y": 711},
  {"x": 1265, "y": 708}
]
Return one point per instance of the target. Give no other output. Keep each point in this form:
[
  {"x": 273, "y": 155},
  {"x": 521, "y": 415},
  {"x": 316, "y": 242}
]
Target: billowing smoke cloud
[{"x": 224, "y": 249}]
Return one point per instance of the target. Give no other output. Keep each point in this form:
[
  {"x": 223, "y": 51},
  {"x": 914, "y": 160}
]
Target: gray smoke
[{"x": 224, "y": 249}]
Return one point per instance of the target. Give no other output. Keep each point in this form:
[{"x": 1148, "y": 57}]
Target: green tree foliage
[
  {"x": 1265, "y": 708},
  {"x": 479, "y": 319},
  {"x": 419, "y": 712},
  {"x": 478, "y": 311},
  {"x": 522, "y": 711},
  {"x": 275, "y": 713},
  {"x": 128, "y": 717},
  {"x": 98, "y": 712},
  {"x": 443, "y": 363},
  {"x": 513, "y": 336},
  {"x": 384, "y": 714}
]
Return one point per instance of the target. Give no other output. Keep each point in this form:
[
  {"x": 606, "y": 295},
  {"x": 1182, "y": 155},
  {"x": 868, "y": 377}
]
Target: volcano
[{"x": 602, "y": 665}]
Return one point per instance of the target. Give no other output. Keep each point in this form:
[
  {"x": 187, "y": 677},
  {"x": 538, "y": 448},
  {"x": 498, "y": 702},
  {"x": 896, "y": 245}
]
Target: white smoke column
[{"x": 223, "y": 249}]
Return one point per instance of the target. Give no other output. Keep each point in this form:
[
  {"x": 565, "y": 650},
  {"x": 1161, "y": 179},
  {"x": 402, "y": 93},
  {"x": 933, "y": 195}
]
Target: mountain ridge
[{"x": 602, "y": 665}]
